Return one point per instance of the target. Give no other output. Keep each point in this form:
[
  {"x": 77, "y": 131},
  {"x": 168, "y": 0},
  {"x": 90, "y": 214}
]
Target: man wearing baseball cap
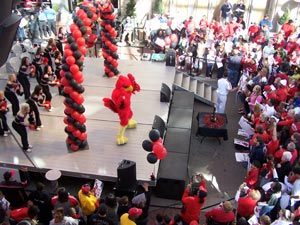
[{"x": 130, "y": 217}]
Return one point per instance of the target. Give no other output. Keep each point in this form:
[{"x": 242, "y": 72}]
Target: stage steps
[{"x": 202, "y": 90}]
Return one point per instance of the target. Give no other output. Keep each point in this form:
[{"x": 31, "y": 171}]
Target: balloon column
[
  {"x": 108, "y": 35},
  {"x": 72, "y": 77},
  {"x": 155, "y": 147}
]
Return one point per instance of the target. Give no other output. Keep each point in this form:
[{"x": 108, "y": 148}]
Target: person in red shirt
[
  {"x": 253, "y": 31},
  {"x": 282, "y": 92},
  {"x": 203, "y": 24},
  {"x": 251, "y": 179},
  {"x": 190, "y": 26},
  {"x": 288, "y": 28},
  {"x": 270, "y": 94},
  {"x": 65, "y": 200},
  {"x": 221, "y": 214},
  {"x": 193, "y": 201},
  {"x": 247, "y": 203},
  {"x": 295, "y": 127},
  {"x": 260, "y": 38},
  {"x": 291, "y": 44}
]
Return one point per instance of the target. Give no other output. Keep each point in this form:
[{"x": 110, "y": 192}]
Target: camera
[{"x": 195, "y": 181}]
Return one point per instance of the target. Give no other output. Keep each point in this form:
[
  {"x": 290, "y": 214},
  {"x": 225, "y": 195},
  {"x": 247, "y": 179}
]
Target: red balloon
[
  {"x": 66, "y": 120},
  {"x": 108, "y": 27},
  {"x": 79, "y": 100},
  {"x": 77, "y": 75},
  {"x": 74, "y": 68},
  {"x": 104, "y": 54},
  {"x": 64, "y": 81},
  {"x": 80, "y": 41},
  {"x": 81, "y": 118},
  {"x": 87, "y": 22},
  {"x": 70, "y": 128},
  {"x": 68, "y": 89},
  {"x": 173, "y": 38},
  {"x": 80, "y": 80},
  {"x": 108, "y": 43},
  {"x": 70, "y": 60},
  {"x": 109, "y": 58},
  {"x": 114, "y": 63},
  {"x": 111, "y": 17},
  {"x": 79, "y": 11},
  {"x": 74, "y": 95},
  {"x": 88, "y": 30},
  {"x": 68, "y": 52},
  {"x": 82, "y": 49},
  {"x": 69, "y": 110},
  {"x": 76, "y": 133},
  {"x": 82, "y": 57},
  {"x": 157, "y": 147},
  {"x": 74, "y": 147},
  {"x": 76, "y": 34},
  {"x": 69, "y": 141},
  {"x": 106, "y": 70},
  {"x": 113, "y": 48},
  {"x": 82, "y": 137},
  {"x": 62, "y": 73},
  {"x": 111, "y": 74},
  {"x": 67, "y": 46},
  {"x": 75, "y": 115},
  {"x": 95, "y": 17},
  {"x": 73, "y": 27},
  {"x": 162, "y": 154}
]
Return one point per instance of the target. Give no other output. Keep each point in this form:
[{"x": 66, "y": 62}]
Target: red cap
[
  {"x": 135, "y": 212},
  {"x": 194, "y": 222},
  {"x": 86, "y": 188}
]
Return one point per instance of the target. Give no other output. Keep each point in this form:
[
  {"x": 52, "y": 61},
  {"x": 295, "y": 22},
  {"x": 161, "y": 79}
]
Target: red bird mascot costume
[{"x": 120, "y": 103}]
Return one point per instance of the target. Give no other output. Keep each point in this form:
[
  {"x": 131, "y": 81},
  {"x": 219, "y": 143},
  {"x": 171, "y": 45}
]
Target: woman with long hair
[
  {"x": 19, "y": 126},
  {"x": 11, "y": 90},
  {"x": 24, "y": 72},
  {"x": 46, "y": 80},
  {"x": 37, "y": 62}
]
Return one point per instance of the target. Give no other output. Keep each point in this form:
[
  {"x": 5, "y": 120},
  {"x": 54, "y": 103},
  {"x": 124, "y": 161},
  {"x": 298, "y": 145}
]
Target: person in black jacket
[
  {"x": 24, "y": 72},
  {"x": 41, "y": 198}
]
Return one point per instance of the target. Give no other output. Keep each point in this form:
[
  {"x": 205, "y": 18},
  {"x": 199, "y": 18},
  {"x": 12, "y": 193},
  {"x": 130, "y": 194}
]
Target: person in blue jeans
[{"x": 234, "y": 67}]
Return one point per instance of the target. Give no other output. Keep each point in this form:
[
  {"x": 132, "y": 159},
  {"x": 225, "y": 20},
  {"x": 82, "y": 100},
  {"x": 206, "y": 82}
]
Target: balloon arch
[{"x": 83, "y": 34}]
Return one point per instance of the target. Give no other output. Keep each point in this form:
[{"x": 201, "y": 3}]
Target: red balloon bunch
[
  {"x": 108, "y": 36},
  {"x": 171, "y": 40},
  {"x": 72, "y": 76},
  {"x": 155, "y": 147}
]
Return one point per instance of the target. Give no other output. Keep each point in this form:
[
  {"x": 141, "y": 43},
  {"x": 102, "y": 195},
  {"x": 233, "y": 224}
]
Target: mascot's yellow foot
[
  {"x": 131, "y": 124},
  {"x": 122, "y": 140}
]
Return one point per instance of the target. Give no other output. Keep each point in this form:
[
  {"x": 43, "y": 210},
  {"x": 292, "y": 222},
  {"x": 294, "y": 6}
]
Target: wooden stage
[{"x": 102, "y": 159}]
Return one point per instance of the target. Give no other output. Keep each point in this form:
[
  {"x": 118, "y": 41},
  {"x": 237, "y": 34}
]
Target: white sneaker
[
  {"x": 5, "y": 134},
  {"x": 28, "y": 150},
  {"x": 42, "y": 126},
  {"x": 50, "y": 110},
  {"x": 30, "y": 146},
  {"x": 37, "y": 128}
]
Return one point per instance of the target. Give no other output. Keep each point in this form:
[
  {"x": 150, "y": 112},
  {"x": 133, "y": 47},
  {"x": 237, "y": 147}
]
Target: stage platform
[{"x": 102, "y": 159}]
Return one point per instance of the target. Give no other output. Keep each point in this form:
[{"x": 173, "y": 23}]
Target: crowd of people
[
  {"x": 41, "y": 207},
  {"x": 45, "y": 68}
]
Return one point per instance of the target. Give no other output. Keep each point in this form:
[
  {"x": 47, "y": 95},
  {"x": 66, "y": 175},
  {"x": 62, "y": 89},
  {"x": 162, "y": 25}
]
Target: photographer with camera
[{"x": 194, "y": 197}]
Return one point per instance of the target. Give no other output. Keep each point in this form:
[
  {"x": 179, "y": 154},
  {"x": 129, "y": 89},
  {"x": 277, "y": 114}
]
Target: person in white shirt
[
  {"x": 224, "y": 87},
  {"x": 269, "y": 107}
]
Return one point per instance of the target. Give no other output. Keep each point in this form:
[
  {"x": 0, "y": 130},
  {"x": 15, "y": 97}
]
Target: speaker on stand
[
  {"x": 165, "y": 93},
  {"x": 126, "y": 180}
]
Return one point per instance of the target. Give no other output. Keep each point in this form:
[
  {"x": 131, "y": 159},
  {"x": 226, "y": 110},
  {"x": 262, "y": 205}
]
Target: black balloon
[
  {"x": 83, "y": 144},
  {"x": 66, "y": 131},
  {"x": 65, "y": 67},
  {"x": 69, "y": 100},
  {"x": 68, "y": 75},
  {"x": 151, "y": 158},
  {"x": 71, "y": 137},
  {"x": 81, "y": 109},
  {"x": 147, "y": 145},
  {"x": 77, "y": 124},
  {"x": 77, "y": 54},
  {"x": 71, "y": 39},
  {"x": 82, "y": 128},
  {"x": 73, "y": 83},
  {"x": 83, "y": 29},
  {"x": 154, "y": 135},
  {"x": 74, "y": 46},
  {"x": 80, "y": 89},
  {"x": 79, "y": 22},
  {"x": 89, "y": 14},
  {"x": 70, "y": 120},
  {"x": 77, "y": 141},
  {"x": 79, "y": 62},
  {"x": 63, "y": 59}
]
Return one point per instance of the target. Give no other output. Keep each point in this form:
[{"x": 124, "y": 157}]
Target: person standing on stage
[
  {"x": 12, "y": 88},
  {"x": 224, "y": 87},
  {"x": 19, "y": 126},
  {"x": 34, "y": 102},
  {"x": 46, "y": 80},
  {"x": 24, "y": 72},
  {"x": 37, "y": 62},
  {"x": 3, "y": 110}
]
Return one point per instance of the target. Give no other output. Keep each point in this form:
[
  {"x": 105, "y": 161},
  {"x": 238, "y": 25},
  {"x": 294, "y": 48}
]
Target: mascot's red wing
[{"x": 110, "y": 104}]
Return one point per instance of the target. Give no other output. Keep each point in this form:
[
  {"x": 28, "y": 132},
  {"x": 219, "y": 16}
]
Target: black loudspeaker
[
  {"x": 159, "y": 124},
  {"x": 8, "y": 29},
  {"x": 165, "y": 93},
  {"x": 170, "y": 189},
  {"x": 126, "y": 175},
  {"x": 170, "y": 57}
]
